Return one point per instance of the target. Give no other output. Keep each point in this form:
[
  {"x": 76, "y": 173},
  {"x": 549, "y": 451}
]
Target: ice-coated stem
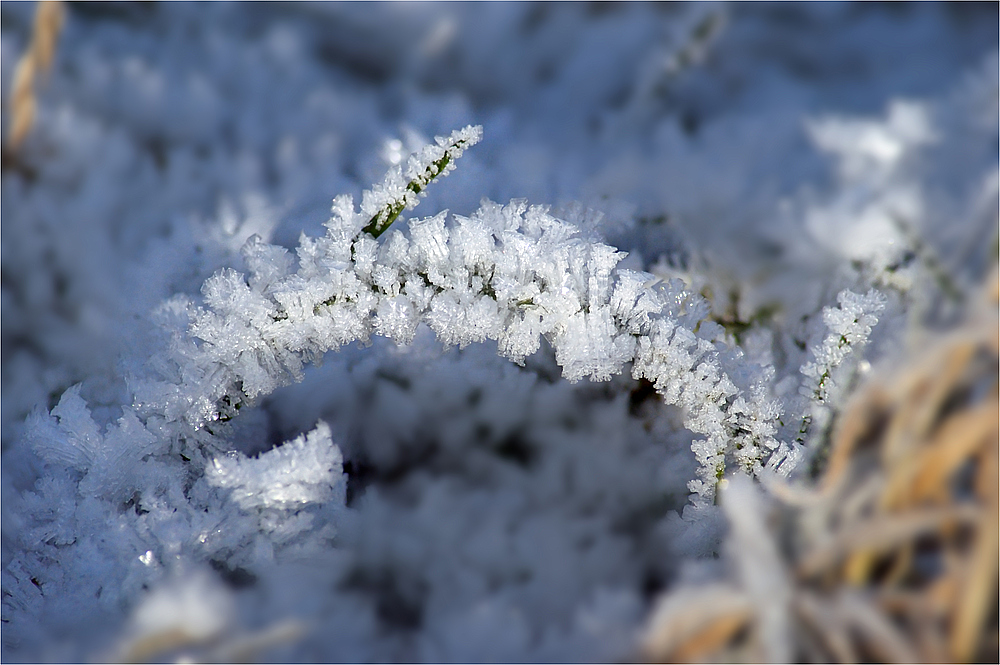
[{"x": 449, "y": 149}]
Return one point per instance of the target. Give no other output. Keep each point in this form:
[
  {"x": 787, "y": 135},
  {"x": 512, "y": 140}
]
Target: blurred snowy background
[{"x": 769, "y": 155}]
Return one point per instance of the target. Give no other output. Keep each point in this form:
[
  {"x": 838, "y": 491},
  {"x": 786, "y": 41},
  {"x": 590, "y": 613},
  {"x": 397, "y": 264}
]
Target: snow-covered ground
[{"x": 416, "y": 502}]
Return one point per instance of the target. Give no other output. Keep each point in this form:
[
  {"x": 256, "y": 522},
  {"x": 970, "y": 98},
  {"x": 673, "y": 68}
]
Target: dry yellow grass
[
  {"x": 894, "y": 555},
  {"x": 32, "y": 67}
]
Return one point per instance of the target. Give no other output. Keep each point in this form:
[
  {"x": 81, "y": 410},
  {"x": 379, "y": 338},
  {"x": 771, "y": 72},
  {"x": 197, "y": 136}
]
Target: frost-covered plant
[
  {"x": 510, "y": 273},
  {"x": 850, "y": 325}
]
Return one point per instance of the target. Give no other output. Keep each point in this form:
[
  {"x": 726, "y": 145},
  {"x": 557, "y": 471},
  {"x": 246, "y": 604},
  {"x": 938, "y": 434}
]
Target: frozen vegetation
[{"x": 464, "y": 418}]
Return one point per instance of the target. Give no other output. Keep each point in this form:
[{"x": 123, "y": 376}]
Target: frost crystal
[
  {"x": 306, "y": 470},
  {"x": 70, "y": 437}
]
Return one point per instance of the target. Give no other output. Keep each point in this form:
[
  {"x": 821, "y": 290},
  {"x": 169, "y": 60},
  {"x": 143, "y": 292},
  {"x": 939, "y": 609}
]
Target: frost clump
[
  {"x": 68, "y": 436},
  {"x": 303, "y": 471}
]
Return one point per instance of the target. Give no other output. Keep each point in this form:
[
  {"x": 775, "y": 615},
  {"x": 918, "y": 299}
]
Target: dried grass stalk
[
  {"x": 34, "y": 65},
  {"x": 695, "y": 621}
]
